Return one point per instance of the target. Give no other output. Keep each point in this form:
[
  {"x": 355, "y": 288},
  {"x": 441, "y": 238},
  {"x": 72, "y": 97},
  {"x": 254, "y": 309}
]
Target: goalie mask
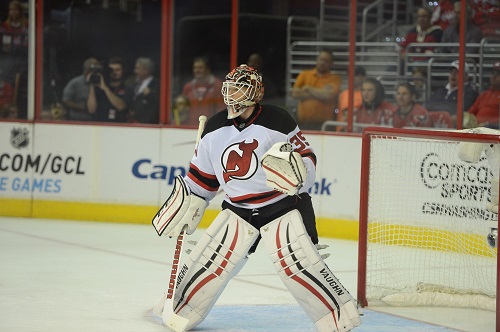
[{"x": 242, "y": 88}]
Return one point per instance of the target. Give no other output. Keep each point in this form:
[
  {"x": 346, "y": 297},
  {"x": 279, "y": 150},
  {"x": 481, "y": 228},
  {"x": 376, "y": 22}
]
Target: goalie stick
[{"x": 165, "y": 308}]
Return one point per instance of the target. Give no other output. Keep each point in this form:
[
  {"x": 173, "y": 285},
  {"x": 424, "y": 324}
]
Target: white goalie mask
[{"x": 242, "y": 88}]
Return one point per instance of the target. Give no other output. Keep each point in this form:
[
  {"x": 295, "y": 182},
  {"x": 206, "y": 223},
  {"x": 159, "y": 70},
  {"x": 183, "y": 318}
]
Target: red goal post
[{"x": 423, "y": 220}]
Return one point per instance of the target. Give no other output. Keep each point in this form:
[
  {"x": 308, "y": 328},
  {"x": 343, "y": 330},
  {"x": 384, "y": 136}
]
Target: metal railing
[
  {"x": 381, "y": 25},
  {"x": 378, "y": 58},
  {"x": 487, "y": 53}
]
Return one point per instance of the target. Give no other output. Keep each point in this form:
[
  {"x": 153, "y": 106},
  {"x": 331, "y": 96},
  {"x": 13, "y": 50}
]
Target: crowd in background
[
  {"x": 320, "y": 100},
  {"x": 111, "y": 90},
  {"x": 103, "y": 93}
]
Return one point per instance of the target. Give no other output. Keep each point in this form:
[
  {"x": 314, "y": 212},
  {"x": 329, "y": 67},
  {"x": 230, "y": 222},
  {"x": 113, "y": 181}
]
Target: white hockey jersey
[{"x": 229, "y": 153}]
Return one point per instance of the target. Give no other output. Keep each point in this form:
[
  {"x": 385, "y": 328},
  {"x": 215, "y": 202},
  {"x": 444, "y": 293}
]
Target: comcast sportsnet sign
[{"x": 463, "y": 188}]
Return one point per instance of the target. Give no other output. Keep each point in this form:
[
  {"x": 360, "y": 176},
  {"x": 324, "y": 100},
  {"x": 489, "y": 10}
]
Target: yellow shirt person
[{"x": 317, "y": 90}]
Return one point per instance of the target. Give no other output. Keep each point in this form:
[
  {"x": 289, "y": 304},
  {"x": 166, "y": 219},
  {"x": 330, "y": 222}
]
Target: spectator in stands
[
  {"x": 359, "y": 76},
  {"x": 14, "y": 52},
  {"x": 15, "y": 29},
  {"x": 408, "y": 112},
  {"x": 373, "y": 109},
  {"x": 486, "y": 108},
  {"x": 452, "y": 34},
  {"x": 75, "y": 93},
  {"x": 445, "y": 98},
  {"x": 486, "y": 15},
  {"x": 108, "y": 99},
  {"x": 203, "y": 92},
  {"x": 317, "y": 90},
  {"x": 443, "y": 14},
  {"x": 424, "y": 32},
  {"x": 145, "y": 107},
  {"x": 256, "y": 61},
  {"x": 180, "y": 111},
  {"x": 419, "y": 80}
]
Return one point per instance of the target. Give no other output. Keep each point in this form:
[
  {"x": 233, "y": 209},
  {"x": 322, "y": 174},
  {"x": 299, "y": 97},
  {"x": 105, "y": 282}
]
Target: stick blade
[
  {"x": 164, "y": 310},
  {"x": 158, "y": 309},
  {"x": 177, "y": 323},
  {"x": 167, "y": 310},
  {"x": 172, "y": 320}
]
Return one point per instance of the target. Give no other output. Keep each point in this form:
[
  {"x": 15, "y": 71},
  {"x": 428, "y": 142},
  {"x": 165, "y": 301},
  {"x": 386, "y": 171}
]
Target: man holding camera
[
  {"x": 75, "y": 93},
  {"x": 108, "y": 97}
]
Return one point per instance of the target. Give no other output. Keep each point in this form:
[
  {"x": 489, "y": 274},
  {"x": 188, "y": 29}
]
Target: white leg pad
[
  {"x": 218, "y": 256},
  {"x": 324, "y": 299}
]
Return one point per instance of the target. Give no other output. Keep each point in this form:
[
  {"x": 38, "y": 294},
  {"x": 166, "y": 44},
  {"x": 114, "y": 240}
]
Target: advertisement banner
[
  {"x": 130, "y": 166},
  {"x": 425, "y": 183}
]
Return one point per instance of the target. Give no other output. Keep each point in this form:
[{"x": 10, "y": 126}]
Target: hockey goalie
[{"x": 257, "y": 155}]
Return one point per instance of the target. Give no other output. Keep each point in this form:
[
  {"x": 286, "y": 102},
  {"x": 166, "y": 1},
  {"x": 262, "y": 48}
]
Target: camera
[{"x": 95, "y": 70}]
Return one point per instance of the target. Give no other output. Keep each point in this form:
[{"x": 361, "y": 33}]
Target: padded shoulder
[{"x": 276, "y": 118}]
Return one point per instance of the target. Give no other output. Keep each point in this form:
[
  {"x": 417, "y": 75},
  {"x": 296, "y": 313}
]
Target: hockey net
[{"x": 424, "y": 222}]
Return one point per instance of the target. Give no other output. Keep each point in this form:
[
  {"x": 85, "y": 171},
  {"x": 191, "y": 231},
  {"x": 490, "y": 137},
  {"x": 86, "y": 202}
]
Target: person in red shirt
[
  {"x": 374, "y": 109},
  {"x": 443, "y": 14},
  {"x": 15, "y": 29},
  {"x": 424, "y": 32},
  {"x": 486, "y": 15},
  {"x": 486, "y": 108},
  {"x": 408, "y": 112}
]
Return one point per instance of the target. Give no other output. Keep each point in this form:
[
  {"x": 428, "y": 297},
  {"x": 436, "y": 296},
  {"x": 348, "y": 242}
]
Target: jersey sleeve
[{"x": 201, "y": 177}]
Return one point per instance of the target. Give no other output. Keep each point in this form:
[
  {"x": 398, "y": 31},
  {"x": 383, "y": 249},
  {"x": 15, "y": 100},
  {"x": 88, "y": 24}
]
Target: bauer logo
[{"x": 19, "y": 137}]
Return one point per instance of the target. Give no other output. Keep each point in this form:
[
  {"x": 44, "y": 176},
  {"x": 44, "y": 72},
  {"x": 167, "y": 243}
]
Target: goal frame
[{"x": 370, "y": 132}]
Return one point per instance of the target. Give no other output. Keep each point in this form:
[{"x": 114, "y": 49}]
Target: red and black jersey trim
[
  {"x": 249, "y": 121},
  {"x": 308, "y": 154},
  {"x": 256, "y": 198},
  {"x": 268, "y": 116},
  {"x": 204, "y": 180}
]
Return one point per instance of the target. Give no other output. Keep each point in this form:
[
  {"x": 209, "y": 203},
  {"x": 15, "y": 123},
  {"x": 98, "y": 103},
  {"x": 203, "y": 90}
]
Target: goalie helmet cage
[{"x": 423, "y": 221}]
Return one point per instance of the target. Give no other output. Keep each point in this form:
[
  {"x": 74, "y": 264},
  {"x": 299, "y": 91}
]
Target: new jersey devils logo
[{"x": 240, "y": 161}]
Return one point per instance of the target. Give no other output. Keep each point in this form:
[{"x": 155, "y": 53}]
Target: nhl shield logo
[{"x": 19, "y": 137}]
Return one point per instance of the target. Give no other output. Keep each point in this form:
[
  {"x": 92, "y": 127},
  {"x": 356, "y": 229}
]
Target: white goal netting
[{"x": 426, "y": 224}]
